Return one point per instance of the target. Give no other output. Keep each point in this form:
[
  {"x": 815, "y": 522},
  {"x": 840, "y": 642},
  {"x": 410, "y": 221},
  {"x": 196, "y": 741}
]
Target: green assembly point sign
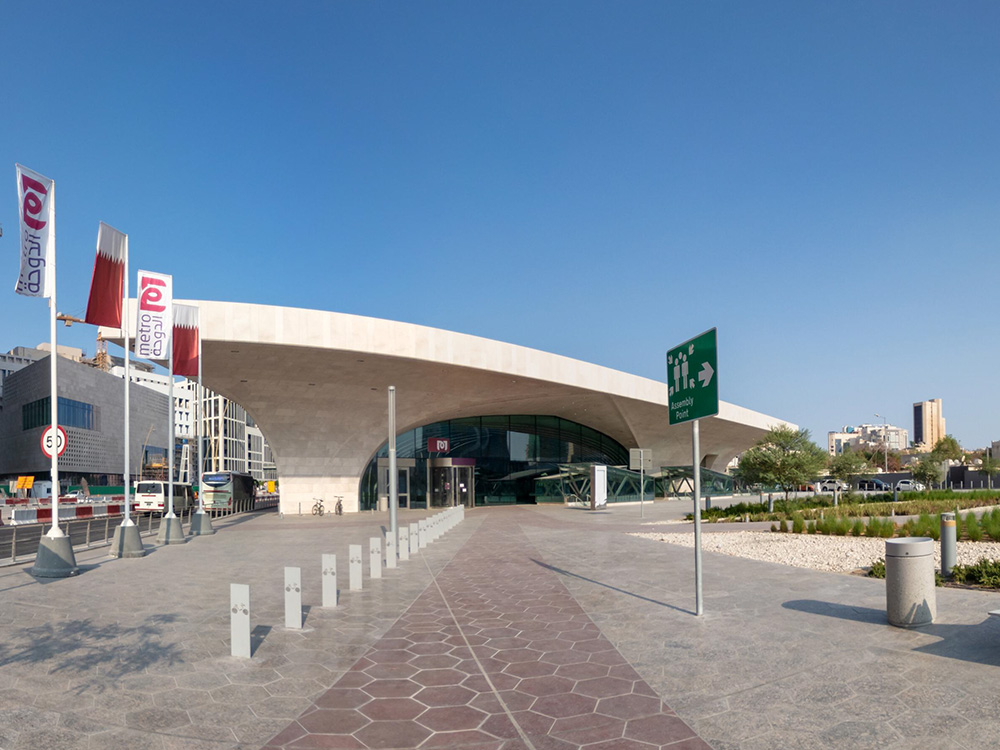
[{"x": 692, "y": 380}]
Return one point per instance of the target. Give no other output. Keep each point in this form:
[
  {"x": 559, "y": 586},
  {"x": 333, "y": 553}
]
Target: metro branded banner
[
  {"x": 155, "y": 316},
  {"x": 36, "y": 208}
]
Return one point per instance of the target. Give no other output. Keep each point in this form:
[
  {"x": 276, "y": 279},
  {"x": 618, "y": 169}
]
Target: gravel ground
[{"x": 836, "y": 553}]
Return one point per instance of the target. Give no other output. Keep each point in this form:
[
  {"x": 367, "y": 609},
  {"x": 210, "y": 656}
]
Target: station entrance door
[
  {"x": 451, "y": 481},
  {"x": 404, "y": 490}
]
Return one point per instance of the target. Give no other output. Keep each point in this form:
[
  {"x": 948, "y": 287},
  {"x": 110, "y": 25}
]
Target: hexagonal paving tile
[
  {"x": 448, "y": 695},
  {"x": 392, "y": 709},
  {"x": 452, "y": 718}
]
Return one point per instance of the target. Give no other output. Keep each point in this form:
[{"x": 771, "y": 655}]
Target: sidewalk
[{"x": 524, "y": 627}]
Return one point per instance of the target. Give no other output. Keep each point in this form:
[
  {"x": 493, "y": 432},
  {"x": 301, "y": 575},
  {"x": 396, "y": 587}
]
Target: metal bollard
[
  {"x": 329, "y": 580},
  {"x": 949, "y": 538},
  {"x": 354, "y": 567},
  {"x": 293, "y": 598},
  {"x": 375, "y": 556},
  {"x": 239, "y": 619}
]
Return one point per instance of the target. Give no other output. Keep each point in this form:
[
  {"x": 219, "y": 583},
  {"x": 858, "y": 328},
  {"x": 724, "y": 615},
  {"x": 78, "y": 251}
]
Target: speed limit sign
[{"x": 59, "y": 442}]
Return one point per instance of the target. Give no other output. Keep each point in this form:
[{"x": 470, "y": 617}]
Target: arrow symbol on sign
[{"x": 705, "y": 376}]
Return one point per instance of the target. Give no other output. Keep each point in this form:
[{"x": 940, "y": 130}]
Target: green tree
[
  {"x": 783, "y": 457},
  {"x": 947, "y": 449},
  {"x": 848, "y": 466},
  {"x": 929, "y": 469},
  {"x": 989, "y": 467}
]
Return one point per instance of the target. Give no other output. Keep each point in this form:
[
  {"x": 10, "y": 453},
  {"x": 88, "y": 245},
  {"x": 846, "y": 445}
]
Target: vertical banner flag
[
  {"x": 36, "y": 198},
  {"x": 104, "y": 306},
  {"x": 186, "y": 340},
  {"x": 155, "y": 315}
]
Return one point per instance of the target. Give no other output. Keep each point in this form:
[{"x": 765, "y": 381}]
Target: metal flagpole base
[
  {"x": 55, "y": 557},
  {"x": 171, "y": 531},
  {"x": 126, "y": 541},
  {"x": 201, "y": 524}
]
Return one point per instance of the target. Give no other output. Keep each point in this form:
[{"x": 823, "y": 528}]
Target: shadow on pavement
[
  {"x": 560, "y": 571},
  {"x": 972, "y": 643}
]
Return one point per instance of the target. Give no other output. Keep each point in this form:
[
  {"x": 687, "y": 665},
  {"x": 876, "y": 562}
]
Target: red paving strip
[{"x": 505, "y": 660}]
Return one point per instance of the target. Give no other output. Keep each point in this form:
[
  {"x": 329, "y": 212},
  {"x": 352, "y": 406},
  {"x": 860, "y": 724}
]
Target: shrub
[
  {"x": 928, "y": 525},
  {"x": 774, "y": 527},
  {"x": 783, "y": 526},
  {"x": 811, "y": 527},
  {"x": 972, "y": 528},
  {"x": 984, "y": 573},
  {"x": 798, "y": 523},
  {"x": 877, "y": 569},
  {"x": 858, "y": 527}
]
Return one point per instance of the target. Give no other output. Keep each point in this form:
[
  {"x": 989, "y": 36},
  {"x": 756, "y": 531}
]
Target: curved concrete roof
[{"x": 316, "y": 384}]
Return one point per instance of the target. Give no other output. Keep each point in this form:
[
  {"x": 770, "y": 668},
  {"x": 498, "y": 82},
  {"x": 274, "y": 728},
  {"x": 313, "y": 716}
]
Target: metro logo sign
[
  {"x": 438, "y": 445},
  {"x": 155, "y": 316}
]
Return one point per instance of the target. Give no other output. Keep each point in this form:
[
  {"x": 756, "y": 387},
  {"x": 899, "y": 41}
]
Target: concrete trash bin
[{"x": 909, "y": 581}]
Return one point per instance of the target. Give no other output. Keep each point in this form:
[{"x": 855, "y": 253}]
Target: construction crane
[{"x": 101, "y": 360}]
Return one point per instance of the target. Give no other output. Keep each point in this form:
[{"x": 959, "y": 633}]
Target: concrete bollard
[
  {"x": 414, "y": 539},
  {"x": 909, "y": 582},
  {"x": 390, "y": 550},
  {"x": 949, "y": 540},
  {"x": 354, "y": 567},
  {"x": 375, "y": 556},
  {"x": 404, "y": 542},
  {"x": 239, "y": 619},
  {"x": 422, "y": 534},
  {"x": 770, "y": 503},
  {"x": 329, "y": 580},
  {"x": 293, "y": 598}
]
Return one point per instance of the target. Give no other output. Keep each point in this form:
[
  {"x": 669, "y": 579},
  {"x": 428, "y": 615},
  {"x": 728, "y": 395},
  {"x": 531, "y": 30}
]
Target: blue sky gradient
[{"x": 598, "y": 179}]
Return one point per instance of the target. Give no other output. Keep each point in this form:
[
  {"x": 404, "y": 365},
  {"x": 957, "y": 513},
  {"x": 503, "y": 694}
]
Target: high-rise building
[{"x": 928, "y": 424}]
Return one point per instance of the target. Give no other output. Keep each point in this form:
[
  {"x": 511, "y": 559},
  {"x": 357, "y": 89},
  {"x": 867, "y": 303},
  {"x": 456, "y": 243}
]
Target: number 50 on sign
[{"x": 54, "y": 441}]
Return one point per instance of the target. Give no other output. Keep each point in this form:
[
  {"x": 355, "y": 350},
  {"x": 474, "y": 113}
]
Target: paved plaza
[{"x": 523, "y": 627}]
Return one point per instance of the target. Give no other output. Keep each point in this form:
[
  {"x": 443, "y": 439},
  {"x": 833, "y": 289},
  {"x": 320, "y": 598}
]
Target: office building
[{"x": 928, "y": 424}]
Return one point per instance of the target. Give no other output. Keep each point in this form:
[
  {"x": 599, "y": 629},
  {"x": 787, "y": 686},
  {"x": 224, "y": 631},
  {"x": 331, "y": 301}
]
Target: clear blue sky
[{"x": 602, "y": 180}]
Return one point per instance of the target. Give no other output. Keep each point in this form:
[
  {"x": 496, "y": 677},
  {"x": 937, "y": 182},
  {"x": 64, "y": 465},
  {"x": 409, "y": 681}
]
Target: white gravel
[{"x": 843, "y": 554}]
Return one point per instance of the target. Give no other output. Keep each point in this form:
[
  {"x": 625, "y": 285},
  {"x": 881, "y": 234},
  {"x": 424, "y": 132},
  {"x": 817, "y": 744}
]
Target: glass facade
[
  {"x": 510, "y": 454},
  {"x": 71, "y": 414}
]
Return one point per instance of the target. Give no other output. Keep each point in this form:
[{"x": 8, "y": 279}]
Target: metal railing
[{"x": 19, "y": 543}]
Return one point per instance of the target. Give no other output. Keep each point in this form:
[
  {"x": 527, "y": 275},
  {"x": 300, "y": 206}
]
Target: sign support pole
[
  {"x": 202, "y": 523},
  {"x": 393, "y": 473},
  {"x": 171, "y": 531},
  {"x": 696, "y": 466}
]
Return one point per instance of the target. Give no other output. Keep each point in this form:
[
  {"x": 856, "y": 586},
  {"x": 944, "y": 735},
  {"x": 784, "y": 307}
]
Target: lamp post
[{"x": 885, "y": 439}]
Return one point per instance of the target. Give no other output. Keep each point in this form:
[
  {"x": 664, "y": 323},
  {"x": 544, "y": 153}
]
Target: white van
[{"x": 152, "y": 495}]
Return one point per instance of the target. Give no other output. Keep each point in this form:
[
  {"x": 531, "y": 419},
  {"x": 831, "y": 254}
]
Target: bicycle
[
  {"x": 318, "y": 508},
  {"x": 339, "y": 507}
]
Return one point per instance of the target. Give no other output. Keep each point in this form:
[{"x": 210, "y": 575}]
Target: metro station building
[{"x": 478, "y": 421}]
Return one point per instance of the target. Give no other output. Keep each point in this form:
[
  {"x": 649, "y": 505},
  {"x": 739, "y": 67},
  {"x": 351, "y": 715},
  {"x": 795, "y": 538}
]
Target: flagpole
[
  {"x": 126, "y": 542},
  {"x": 202, "y": 523},
  {"x": 171, "y": 531},
  {"x": 55, "y": 558}
]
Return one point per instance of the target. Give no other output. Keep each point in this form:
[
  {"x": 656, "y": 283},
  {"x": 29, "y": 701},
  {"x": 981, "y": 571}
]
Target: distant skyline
[{"x": 599, "y": 180}]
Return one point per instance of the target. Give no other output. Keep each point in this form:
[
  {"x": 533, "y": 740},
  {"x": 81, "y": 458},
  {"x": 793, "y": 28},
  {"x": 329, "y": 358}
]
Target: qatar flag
[
  {"x": 104, "y": 307},
  {"x": 186, "y": 340}
]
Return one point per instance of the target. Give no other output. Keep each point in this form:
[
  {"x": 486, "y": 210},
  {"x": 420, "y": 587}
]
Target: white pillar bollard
[
  {"x": 239, "y": 619},
  {"x": 375, "y": 556},
  {"x": 354, "y": 566},
  {"x": 404, "y": 542},
  {"x": 422, "y": 540},
  {"x": 293, "y": 598},
  {"x": 390, "y": 550},
  {"x": 414, "y": 538},
  {"x": 329, "y": 580}
]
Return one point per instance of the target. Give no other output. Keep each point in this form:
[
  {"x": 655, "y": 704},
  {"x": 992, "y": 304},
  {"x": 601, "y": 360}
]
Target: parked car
[
  {"x": 909, "y": 485},
  {"x": 833, "y": 485},
  {"x": 874, "y": 485}
]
